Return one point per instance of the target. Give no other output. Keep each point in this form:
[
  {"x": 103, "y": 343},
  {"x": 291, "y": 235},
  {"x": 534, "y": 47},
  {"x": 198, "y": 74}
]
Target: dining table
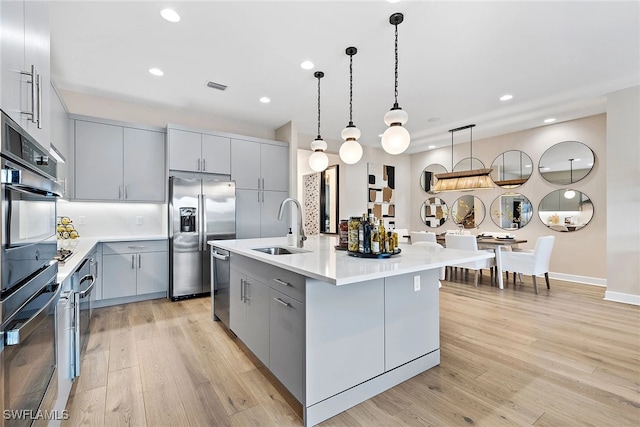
[{"x": 494, "y": 243}]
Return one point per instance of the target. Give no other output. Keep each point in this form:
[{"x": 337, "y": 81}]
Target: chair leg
[
  {"x": 535, "y": 284},
  {"x": 546, "y": 277},
  {"x": 475, "y": 278}
]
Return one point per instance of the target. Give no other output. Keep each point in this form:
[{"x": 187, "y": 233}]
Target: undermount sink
[{"x": 279, "y": 250}]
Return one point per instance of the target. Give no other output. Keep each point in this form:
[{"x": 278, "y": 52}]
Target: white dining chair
[
  {"x": 531, "y": 262},
  {"x": 402, "y": 233},
  {"x": 422, "y": 236},
  {"x": 469, "y": 243},
  {"x": 433, "y": 244}
]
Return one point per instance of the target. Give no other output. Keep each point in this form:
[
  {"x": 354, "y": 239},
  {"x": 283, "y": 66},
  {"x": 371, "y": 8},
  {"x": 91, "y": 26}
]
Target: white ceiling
[{"x": 456, "y": 59}]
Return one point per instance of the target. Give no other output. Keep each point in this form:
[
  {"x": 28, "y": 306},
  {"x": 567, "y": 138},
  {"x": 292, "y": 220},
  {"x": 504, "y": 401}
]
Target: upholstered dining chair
[
  {"x": 421, "y": 236},
  {"x": 469, "y": 243},
  {"x": 530, "y": 262},
  {"x": 402, "y": 232}
]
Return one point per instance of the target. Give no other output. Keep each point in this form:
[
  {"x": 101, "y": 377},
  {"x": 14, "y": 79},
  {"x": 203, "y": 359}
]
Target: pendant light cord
[
  {"x": 471, "y": 149},
  {"x": 319, "y": 108},
  {"x": 396, "y": 76},
  {"x": 350, "y": 90}
]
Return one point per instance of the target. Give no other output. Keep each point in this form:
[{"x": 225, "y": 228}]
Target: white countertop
[
  {"x": 83, "y": 245},
  {"x": 324, "y": 262}
]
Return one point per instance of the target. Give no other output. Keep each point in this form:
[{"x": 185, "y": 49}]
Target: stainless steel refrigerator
[{"x": 201, "y": 208}]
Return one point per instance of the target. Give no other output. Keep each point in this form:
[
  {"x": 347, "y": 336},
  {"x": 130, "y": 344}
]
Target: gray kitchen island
[{"x": 335, "y": 329}]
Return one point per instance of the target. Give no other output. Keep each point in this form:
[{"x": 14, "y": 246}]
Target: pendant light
[
  {"x": 318, "y": 160},
  {"x": 475, "y": 179},
  {"x": 396, "y": 138},
  {"x": 570, "y": 194},
  {"x": 351, "y": 150}
]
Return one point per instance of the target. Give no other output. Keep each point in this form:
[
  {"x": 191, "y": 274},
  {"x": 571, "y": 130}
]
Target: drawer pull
[
  {"x": 286, "y": 304},
  {"x": 282, "y": 282},
  {"x": 137, "y": 247}
]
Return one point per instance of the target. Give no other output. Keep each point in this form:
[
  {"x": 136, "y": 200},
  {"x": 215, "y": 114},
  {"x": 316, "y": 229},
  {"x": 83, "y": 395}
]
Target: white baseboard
[
  {"x": 621, "y": 297},
  {"x": 595, "y": 281}
]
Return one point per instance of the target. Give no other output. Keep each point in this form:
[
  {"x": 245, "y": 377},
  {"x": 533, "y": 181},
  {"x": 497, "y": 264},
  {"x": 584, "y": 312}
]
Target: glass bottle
[
  {"x": 361, "y": 232},
  {"x": 375, "y": 238},
  {"x": 354, "y": 225},
  {"x": 383, "y": 237}
]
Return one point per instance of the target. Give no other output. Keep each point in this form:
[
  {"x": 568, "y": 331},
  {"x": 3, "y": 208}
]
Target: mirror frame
[
  {"x": 550, "y": 158},
  {"x": 445, "y": 211},
  {"x": 433, "y": 178},
  {"x": 566, "y": 224},
  {"x": 476, "y": 202},
  {"x": 510, "y": 183},
  {"x": 330, "y": 173},
  {"x": 496, "y": 214}
]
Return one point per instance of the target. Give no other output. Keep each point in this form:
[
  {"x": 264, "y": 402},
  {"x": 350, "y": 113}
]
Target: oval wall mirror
[
  {"x": 434, "y": 212},
  {"x": 468, "y": 211},
  {"x": 428, "y": 177},
  {"x": 511, "y": 169},
  {"x": 566, "y": 162},
  {"x": 511, "y": 211},
  {"x": 565, "y": 210},
  {"x": 467, "y": 164}
]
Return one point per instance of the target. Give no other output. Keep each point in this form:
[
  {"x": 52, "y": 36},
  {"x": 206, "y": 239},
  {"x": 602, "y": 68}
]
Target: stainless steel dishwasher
[{"x": 220, "y": 295}]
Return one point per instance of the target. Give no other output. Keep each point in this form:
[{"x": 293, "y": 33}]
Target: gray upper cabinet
[
  {"x": 118, "y": 163},
  {"x": 24, "y": 39},
  {"x": 60, "y": 137},
  {"x": 198, "y": 152}
]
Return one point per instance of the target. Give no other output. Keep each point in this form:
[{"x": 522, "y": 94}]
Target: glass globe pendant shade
[
  {"x": 318, "y": 144},
  {"x": 395, "y": 139},
  {"x": 350, "y": 132},
  {"x": 351, "y": 151},
  {"x": 396, "y": 115},
  {"x": 318, "y": 161}
]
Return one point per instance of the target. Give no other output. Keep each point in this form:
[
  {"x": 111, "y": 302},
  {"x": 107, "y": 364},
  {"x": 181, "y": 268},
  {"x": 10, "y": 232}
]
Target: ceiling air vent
[{"x": 214, "y": 85}]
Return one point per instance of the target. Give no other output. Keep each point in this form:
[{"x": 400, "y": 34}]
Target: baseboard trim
[
  {"x": 594, "y": 281},
  {"x": 622, "y": 297}
]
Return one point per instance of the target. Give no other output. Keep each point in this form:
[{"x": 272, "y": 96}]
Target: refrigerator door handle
[
  {"x": 204, "y": 222},
  {"x": 201, "y": 225}
]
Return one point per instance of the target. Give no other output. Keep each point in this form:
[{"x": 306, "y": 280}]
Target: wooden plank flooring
[{"x": 564, "y": 357}]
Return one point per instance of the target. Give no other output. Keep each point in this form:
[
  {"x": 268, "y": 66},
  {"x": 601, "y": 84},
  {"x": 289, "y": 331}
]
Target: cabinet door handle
[
  {"x": 126, "y": 192},
  {"x": 119, "y": 192},
  {"x": 204, "y": 165},
  {"x": 198, "y": 164},
  {"x": 262, "y": 183},
  {"x": 241, "y": 289},
  {"x": 34, "y": 97},
  {"x": 139, "y": 261},
  {"x": 133, "y": 262},
  {"x": 39, "y": 80},
  {"x": 282, "y": 282},
  {"x": 286, "y": 304}
]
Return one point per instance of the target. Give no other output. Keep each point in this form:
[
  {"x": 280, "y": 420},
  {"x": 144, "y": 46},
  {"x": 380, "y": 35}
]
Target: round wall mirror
[
  {"x": 566, "y": 162},
  {"x": 511, "y": 211},
  {"x": 434, "y": 212},
  {"x": 511, "y": 169},
  {"x": 467, "y": 164},
  {"x": 468, "y": 211},
  {"x": 565, "y": 210},
  {"x": 428, "y": 177}
]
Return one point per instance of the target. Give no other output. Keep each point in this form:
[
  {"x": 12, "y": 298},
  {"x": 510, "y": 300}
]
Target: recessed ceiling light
[
  {"x": 156, "y": 71},
  {"x": 432, "y": 146},
  {"x": 265, "y": 100},
  {"x": 307, "y": 65},
  {"x": 170, "y": 15},
  {"x": 379, "y": 135},
  {"x": 506, "y": 97},
  {"x": 394, "y": 1},
  {"x": 576, "y": 160},
  {"x": 550, "y": 120},
  {"x": 433, "y": 119},
  {"x": 527, "y": 166}
]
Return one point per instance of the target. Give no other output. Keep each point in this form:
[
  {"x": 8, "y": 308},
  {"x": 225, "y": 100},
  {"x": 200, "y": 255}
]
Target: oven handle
[
  {"x": 15, "y": 336},
  {"x": 87, "y": 291}
]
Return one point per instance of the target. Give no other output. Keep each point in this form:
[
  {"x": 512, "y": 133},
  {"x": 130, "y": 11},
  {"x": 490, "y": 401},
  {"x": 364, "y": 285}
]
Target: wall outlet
[
  {"x": 82, "y": 220},
  {"x": 139, "y": 220},
  {"x": 416, "y": 283}
]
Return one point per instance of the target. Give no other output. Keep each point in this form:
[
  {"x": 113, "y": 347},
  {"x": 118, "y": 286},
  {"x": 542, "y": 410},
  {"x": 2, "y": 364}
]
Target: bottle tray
[{"x": 361, "y": 255}]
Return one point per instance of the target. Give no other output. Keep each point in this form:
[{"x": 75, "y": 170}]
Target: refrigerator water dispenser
[{"x": 187, "y": 220}]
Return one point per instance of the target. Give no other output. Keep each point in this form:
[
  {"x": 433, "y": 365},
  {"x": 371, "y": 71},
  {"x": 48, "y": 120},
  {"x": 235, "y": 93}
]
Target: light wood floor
[{"x": 564, "y": 357}]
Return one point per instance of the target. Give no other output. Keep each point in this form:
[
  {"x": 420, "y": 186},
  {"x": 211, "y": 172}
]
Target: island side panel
[
  {"x": 344, "y": 336},
  {"x": 412, "y": 321}
]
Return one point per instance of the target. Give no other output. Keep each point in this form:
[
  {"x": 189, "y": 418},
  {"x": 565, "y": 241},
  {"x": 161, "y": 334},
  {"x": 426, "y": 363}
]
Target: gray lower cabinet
[
  {"x": 134, "y": 268},
  {"x": 286, "y": 341},
  {"x": 249, "y": 313}
]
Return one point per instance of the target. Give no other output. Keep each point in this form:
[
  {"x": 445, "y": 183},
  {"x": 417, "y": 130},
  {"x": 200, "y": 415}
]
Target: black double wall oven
[{"x": 30, "y": 291}]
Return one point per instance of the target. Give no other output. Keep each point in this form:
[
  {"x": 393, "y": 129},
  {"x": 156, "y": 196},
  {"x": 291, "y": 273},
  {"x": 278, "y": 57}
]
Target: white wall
[
  {"x": 579, "y": 256},
  {"x": 623, "y": 196}
]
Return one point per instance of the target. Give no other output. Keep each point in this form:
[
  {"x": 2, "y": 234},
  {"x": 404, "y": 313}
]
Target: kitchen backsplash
[{"x": 116, "y": 219}]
